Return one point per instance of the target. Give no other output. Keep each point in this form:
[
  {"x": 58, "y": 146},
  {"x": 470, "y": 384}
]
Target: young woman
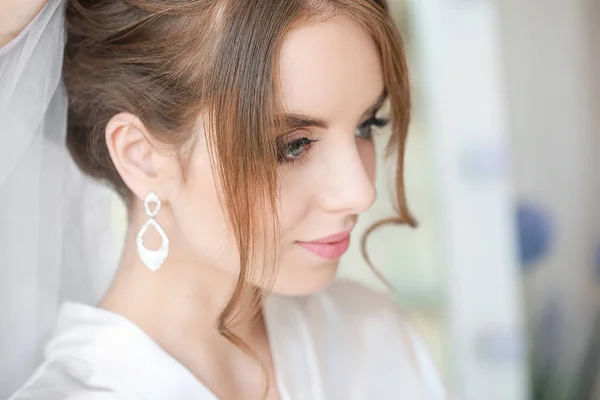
[{"x": 240, "y": 134}]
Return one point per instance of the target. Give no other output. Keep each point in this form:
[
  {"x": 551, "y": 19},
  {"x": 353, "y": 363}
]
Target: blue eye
[
  {"x": 294, "y": 149},
  {"x": 365, "y": 130}
]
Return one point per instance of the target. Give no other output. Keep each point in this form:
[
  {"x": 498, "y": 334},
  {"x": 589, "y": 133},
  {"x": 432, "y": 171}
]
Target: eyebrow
[{"x": 295, "y": 121}]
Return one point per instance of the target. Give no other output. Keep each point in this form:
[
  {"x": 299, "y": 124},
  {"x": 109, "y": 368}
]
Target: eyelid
[
  {"x": 296, "y": 133},
  {"x": 374, "y": 116},
  {"x": 300, "y": 132}
]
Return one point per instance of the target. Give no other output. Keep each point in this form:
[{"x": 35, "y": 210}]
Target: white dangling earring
[{"x": 153, "y": 259}]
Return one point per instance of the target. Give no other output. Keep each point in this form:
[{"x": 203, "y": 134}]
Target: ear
[{"x": 142, "y": 163}]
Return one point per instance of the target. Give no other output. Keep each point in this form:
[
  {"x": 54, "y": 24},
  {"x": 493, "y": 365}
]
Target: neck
[
  {"x": 183, "y": 288},
  {"x": 180, "y": 305}
]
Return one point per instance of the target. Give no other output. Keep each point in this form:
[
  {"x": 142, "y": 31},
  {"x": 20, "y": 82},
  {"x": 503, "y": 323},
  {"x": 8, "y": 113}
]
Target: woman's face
[{"x": 330, "y": 75}]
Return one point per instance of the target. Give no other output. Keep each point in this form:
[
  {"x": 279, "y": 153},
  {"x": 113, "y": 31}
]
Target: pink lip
[{"x": 330, "y": 247}]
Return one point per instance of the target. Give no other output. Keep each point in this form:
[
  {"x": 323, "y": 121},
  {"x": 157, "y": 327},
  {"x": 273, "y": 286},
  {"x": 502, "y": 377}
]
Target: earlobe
[{"x": 132, "y": 153}]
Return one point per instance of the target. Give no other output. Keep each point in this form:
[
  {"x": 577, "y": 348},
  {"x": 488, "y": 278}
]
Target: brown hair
[{"x": 168, "y": 61}]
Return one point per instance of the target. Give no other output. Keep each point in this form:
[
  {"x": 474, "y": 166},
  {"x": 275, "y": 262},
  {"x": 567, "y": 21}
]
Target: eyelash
[
  {"x": 306, "y": 143},
  {"x": 285, "y": 149},
  {"x": 371, "y": 123}
]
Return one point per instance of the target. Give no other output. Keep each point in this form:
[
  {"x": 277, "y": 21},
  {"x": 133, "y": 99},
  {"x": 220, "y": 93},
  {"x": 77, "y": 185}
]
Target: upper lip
[{"x": 338, "y": 237}]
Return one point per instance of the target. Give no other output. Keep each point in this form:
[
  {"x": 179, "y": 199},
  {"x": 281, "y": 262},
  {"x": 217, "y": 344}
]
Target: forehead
[{"x": 330, "y": 69}]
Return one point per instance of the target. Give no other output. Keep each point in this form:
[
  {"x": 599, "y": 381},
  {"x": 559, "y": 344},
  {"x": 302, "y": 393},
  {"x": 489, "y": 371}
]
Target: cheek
[
  {"x": 298, "y": 194},
  {"x": 205, "y": 227},
  {"x": 294, "y": 199},
  {"x": 202, "y": 221}
]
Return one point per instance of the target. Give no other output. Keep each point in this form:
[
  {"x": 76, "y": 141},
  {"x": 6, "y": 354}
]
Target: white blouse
[{"x": 346, "y": 342}]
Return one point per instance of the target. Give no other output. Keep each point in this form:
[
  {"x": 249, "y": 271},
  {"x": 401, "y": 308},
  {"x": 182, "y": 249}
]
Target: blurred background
[{"x": 502, "y": 276}]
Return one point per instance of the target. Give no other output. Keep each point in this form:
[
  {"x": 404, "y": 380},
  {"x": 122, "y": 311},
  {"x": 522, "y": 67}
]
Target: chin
[{"x": 305, "y": 282}]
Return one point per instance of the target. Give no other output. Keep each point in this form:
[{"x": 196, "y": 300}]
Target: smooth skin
[
  {"x": 329, "y": 71},
  {"x": 15, "y": 15}
]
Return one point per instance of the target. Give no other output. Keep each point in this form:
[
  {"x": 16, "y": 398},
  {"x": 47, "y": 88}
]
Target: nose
[{"x": 347, "y": 185}]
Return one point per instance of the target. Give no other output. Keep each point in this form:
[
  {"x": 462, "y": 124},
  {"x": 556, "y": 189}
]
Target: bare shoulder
[{"x": 15, "y": 15}]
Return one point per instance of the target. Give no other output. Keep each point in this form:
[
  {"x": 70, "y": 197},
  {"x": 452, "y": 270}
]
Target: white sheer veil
[{"x": 56, "y": 242}]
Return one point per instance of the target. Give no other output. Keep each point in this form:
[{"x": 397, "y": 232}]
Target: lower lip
[{"x": 328, "y": 251}]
